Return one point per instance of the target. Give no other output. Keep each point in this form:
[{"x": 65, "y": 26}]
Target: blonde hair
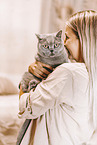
[{"x": 84, "y": 25}]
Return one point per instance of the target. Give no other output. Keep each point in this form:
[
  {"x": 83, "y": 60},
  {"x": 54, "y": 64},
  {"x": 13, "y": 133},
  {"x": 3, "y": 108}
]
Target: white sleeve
[{"x": 56, "y": 89}]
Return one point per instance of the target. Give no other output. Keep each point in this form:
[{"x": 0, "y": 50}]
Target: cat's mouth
[{"x": 52, "y": 54}]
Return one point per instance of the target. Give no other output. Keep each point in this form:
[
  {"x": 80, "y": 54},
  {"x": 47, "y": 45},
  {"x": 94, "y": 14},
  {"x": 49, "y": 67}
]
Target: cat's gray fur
[{"x": 50, "y": 51}]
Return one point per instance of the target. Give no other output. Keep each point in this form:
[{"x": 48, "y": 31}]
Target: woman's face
[{"x": 72, "y": 44}]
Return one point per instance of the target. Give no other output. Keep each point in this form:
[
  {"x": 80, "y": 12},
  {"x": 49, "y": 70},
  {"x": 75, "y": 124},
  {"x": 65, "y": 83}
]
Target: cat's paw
[
  {"x": 24, "y": 88},
  {"x": 32, "y": 84}
]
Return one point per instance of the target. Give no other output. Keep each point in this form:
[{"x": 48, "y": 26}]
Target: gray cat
[{"x": 50, "y": 51}]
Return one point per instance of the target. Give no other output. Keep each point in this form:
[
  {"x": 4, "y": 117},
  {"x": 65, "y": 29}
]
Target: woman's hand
[{"x": 40, "y": 69}]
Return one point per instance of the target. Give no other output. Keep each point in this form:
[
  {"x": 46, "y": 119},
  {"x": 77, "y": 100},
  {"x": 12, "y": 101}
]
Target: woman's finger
[
  {"x": 31, "y": 66},
  {"x": 38, "y": 73},
  {"x": 44, "y": 65},
  {"x": 40, "y": 70}
]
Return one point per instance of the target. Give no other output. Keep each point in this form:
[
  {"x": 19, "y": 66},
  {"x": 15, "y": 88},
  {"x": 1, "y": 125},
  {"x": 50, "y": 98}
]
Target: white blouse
[{"x": 61, "y": 105}]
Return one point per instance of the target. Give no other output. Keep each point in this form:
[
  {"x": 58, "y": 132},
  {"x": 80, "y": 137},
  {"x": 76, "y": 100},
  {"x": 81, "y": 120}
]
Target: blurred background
[{"x": 21, "y": 19}]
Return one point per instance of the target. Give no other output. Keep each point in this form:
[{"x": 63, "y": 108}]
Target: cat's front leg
[
  {"x": 24, "y": 87},
  {"x": 26, "y": 78},
  {"x": 33, "y": 84}
]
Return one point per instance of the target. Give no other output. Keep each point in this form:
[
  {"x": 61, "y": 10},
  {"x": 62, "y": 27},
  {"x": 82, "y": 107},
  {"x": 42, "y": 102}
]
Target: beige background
[{"x": 19, "y": 21}]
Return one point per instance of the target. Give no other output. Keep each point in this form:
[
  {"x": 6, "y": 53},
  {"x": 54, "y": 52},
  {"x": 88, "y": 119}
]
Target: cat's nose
[{"x": 51, "y": 50}]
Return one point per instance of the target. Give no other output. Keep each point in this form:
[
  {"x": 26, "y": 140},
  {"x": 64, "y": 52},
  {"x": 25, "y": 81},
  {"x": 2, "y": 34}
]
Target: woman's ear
[{"x": 59, "y": 34}]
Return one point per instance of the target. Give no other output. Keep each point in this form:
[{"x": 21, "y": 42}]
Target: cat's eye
[
  {"x": 45, "y": 46},
  {"x": 56, "y": 45}
]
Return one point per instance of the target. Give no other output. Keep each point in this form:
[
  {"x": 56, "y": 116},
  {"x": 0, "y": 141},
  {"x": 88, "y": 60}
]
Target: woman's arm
[{"x": 47, "y": 95}]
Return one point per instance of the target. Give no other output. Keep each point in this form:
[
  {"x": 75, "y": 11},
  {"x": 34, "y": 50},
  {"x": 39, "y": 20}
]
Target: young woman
[{"x": 65, "y": 104}]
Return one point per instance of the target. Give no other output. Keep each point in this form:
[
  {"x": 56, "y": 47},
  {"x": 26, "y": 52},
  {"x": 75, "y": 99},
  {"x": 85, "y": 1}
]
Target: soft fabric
[
  {"x": 61, "y": 105},
  {"x": 9, "y": 121},
  {"x": 7, "y": 87},
  {"x": 9, "y": 131}
]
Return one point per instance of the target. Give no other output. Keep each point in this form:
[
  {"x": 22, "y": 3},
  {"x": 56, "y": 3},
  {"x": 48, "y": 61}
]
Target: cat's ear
[
  {"x": 39, "y": 37},
  {"x": 59, "y": 34}
]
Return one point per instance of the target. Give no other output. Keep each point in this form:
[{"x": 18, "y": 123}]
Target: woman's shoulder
[
  {"x": 73, "y": 66},
  {"x": 76, "y": 69},
  {"x": 72, "y": 69}
]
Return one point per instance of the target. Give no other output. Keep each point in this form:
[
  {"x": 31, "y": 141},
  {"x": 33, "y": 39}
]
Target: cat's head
[{"x": 50, "y": 45}]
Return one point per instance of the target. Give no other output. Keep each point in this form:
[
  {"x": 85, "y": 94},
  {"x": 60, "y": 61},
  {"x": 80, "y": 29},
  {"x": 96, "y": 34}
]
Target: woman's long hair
[{"x": 84, "y": 25}]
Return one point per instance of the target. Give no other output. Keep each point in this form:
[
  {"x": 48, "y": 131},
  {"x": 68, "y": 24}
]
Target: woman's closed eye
[{"x": 66, "y": 37}]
